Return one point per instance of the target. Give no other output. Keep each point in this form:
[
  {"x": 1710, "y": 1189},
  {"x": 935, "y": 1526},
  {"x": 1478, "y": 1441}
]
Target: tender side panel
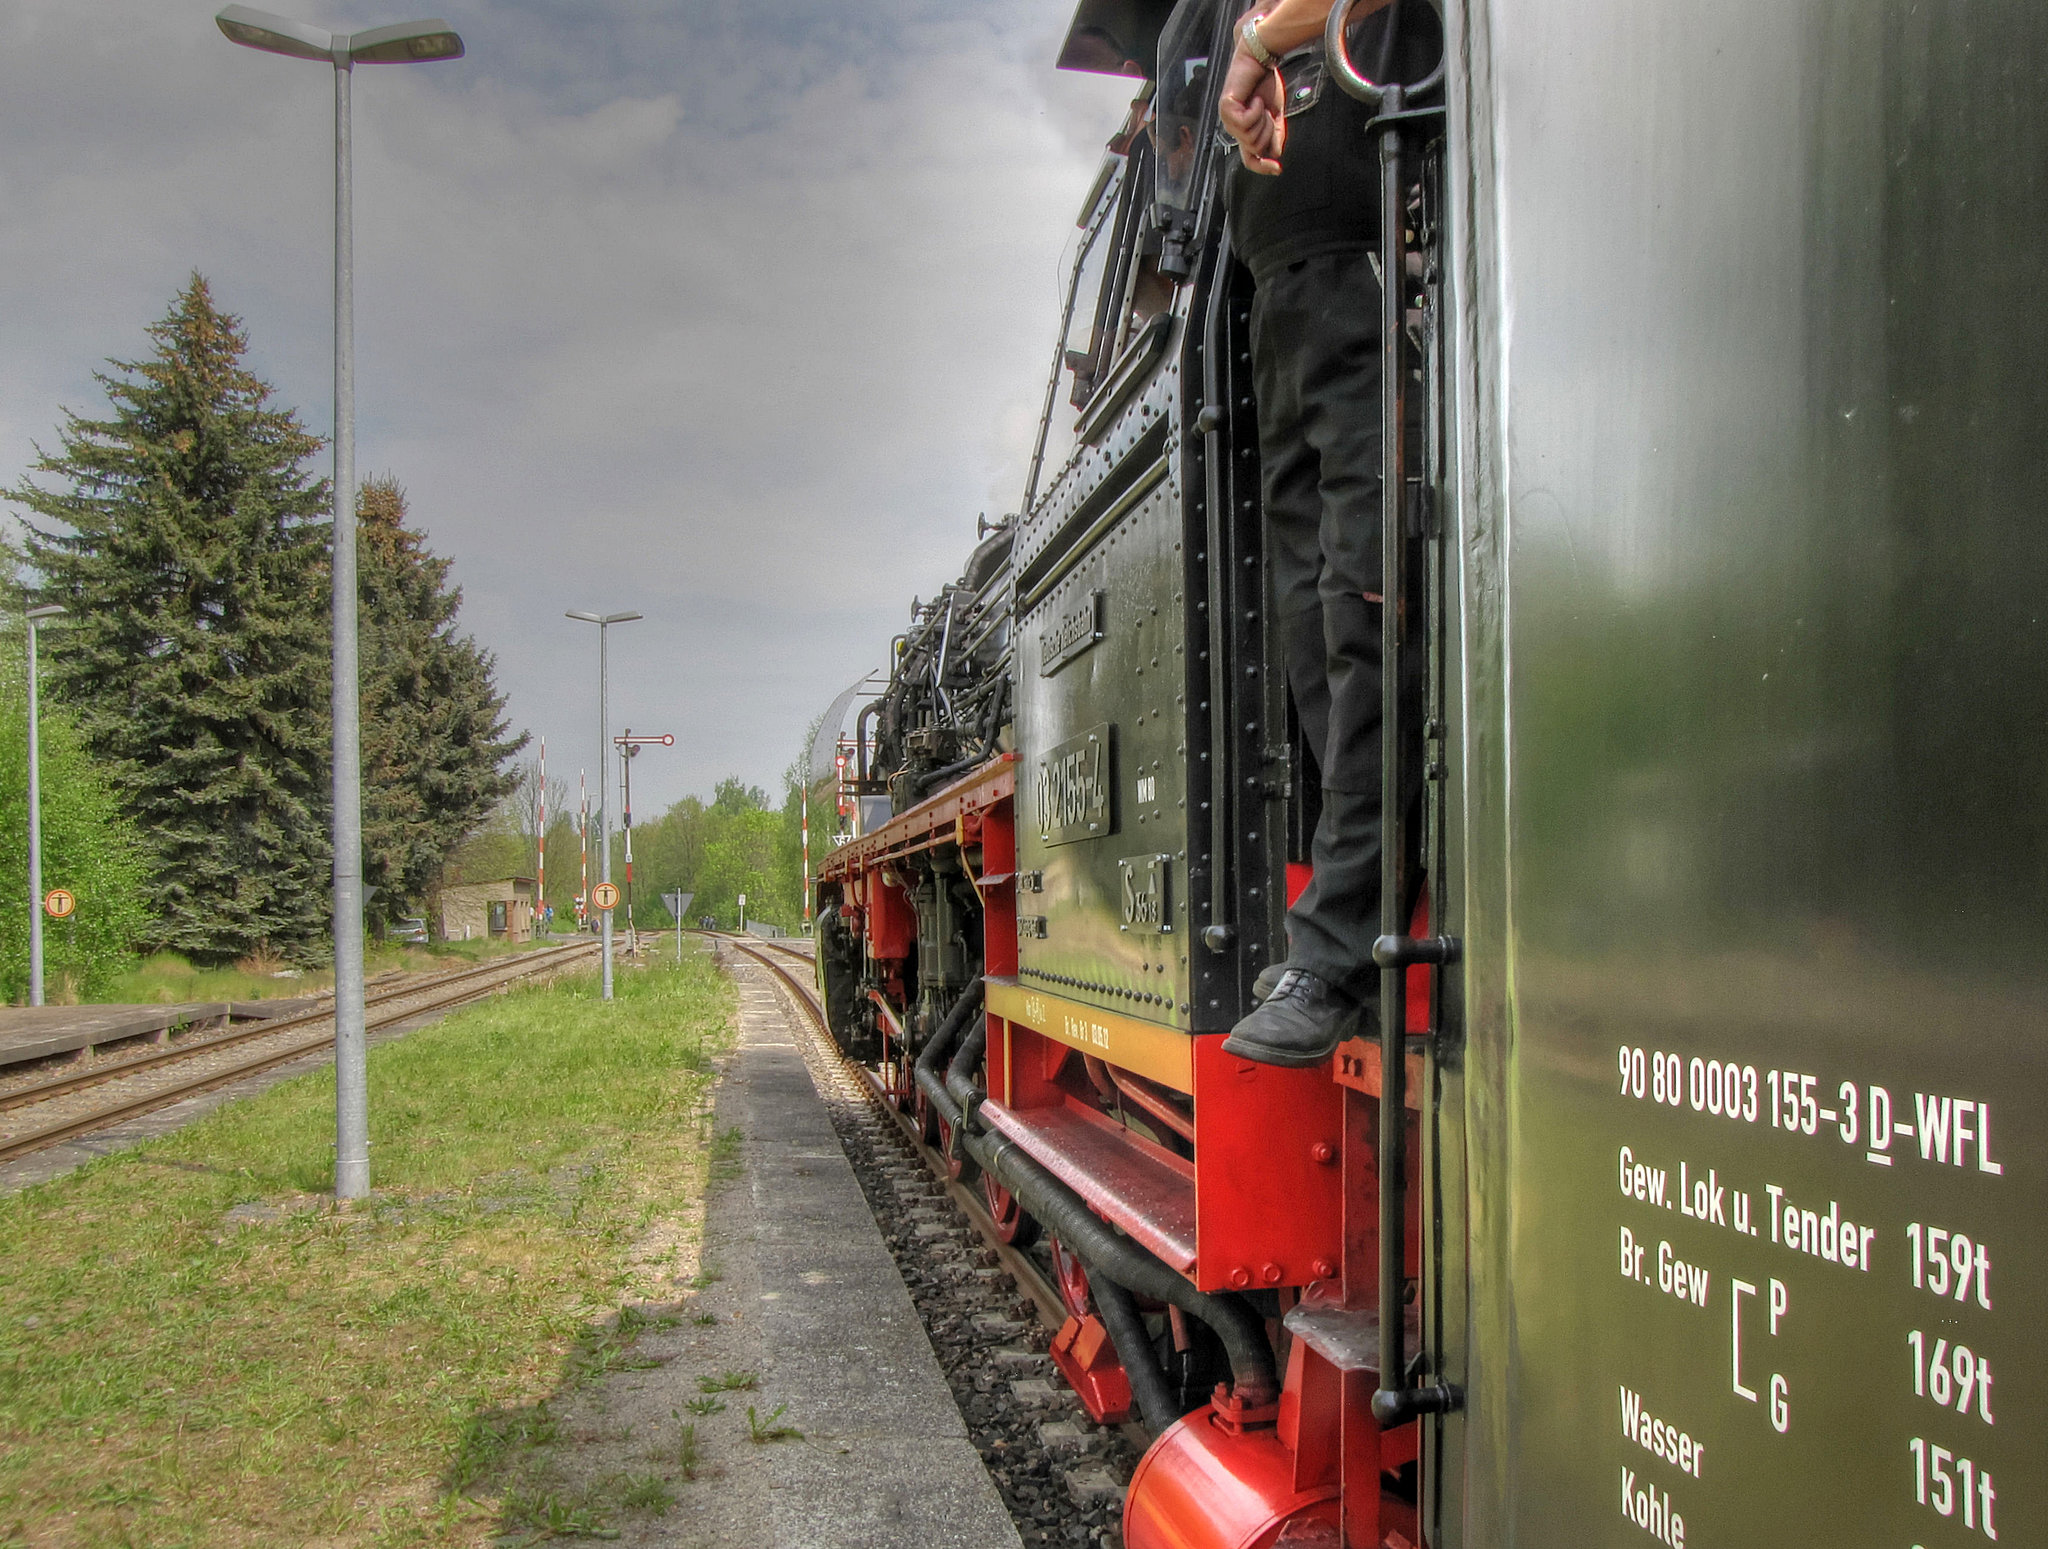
[{"x": 1759, "y": 1049}]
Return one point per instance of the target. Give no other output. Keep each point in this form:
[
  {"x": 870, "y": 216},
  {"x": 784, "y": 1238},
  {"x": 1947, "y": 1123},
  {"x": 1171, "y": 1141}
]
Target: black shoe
[
  {"x": 1299, "y": 1024},
  {"x": 1268, "y": 979}
]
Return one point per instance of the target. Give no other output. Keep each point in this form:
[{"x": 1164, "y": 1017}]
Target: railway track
[
  {"x": 302, "y": 1034},
  {"x": 1030, "y": 1278}
]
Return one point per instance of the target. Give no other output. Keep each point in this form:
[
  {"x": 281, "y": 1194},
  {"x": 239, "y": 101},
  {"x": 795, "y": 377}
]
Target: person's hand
[{"x": 1254, "y": 113}]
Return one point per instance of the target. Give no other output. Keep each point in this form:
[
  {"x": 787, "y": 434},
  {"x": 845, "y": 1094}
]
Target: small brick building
[{"x": 502, "y": 909}]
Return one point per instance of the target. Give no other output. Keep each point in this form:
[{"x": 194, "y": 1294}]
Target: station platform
[
  {"x": 843, "y": 1341},
  {"x": 38, "y": 1032},
  {"x": 800, "y": 1293}
]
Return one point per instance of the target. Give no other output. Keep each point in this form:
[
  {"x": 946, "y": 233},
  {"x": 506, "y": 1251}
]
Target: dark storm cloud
[{"x": 733, "y": 315}]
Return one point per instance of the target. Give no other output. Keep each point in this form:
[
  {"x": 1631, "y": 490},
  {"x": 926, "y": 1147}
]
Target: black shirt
[{"x": 1326, "y": 198}]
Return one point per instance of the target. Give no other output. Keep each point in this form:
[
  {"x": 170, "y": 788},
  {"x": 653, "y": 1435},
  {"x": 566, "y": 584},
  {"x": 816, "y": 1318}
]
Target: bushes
[{"x": 89, "y": 848}]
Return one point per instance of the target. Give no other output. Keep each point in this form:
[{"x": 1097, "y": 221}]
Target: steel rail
[
  {"x": 101, "y": 1118},
  {"x": 268, "y": 1027},
  {"x": 1052, "y": 1311},
  {"x": 789, "y": 951}
]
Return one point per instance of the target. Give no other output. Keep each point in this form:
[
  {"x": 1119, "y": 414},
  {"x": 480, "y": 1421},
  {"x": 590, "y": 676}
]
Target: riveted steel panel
[{"x": 1102, "y": 782}]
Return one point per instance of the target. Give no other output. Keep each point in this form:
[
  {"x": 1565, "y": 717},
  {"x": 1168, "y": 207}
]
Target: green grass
[
  {"x": 645, "y": 1492},
  {"x": 689, "y": 1455},
  {"x": 552, "y": 1514},
  {"x": 771, "y": 1429},
  {"x": 170, "y": 1377},
  {"x": 728, "y": 1382}
]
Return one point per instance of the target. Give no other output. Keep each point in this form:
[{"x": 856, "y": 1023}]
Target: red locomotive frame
[{"x": 1278, "y": 1191}]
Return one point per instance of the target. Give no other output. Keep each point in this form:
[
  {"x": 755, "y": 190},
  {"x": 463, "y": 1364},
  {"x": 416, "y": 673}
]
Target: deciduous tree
[{"x": 90, "y": 849}]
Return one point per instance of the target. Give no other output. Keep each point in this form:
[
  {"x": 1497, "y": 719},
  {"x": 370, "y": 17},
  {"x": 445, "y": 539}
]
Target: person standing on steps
[{"x": 1304, "y": 206}]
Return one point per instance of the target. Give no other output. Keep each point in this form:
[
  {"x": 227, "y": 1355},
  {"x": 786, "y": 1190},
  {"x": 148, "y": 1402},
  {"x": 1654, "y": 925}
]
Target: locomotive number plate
[{"x": 1074, "y": 796}]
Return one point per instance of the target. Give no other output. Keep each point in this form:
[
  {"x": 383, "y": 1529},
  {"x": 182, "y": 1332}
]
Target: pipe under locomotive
[{"x": 1097, "y": 808}]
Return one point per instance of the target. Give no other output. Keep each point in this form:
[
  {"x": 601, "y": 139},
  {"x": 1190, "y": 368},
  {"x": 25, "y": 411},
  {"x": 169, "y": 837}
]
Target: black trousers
[{"x": 1316, "y": 369}]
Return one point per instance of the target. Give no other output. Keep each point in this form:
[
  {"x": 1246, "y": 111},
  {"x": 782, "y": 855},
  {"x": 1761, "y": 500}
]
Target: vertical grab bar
[
  {"x": 1221, "y": 930},
  {"x": 1395, "y": 1402}
]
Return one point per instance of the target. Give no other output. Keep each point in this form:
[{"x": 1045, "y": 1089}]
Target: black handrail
[
  {"x": 1396, "y": 1401},
  {"x": 1373, "y": 93}
]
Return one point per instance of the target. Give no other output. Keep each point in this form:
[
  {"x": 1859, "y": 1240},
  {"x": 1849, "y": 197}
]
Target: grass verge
[
  {"x": 166, "y": 978},
  {"x": 195, "y": 1348}
]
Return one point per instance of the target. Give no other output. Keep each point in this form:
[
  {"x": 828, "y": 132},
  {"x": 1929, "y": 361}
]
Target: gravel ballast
[{"x": 1061, "y": 1476}]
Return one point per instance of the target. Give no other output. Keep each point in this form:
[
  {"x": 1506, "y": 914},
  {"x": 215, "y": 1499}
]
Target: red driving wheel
[
  {"x": 955, "y": 1165},
  {"x": 1014, "y": 1224},
  {"x": 927, "y": 1121},
  {"x": 1071, "y": 1276},
  {"x": 905, "y": 1076}
]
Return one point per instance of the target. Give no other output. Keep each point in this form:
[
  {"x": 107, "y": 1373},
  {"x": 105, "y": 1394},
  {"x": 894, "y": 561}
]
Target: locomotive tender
[{"x": 1707, "y": 1173}]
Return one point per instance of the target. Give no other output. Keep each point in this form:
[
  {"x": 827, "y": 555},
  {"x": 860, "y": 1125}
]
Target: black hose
[
  {"x": 992, "y": 722},
  {"x": 960, "y": 1083},
  {"x": 963, "y": 1087},
  {"x": 946, "y": 772},
  {"x": 1108, "y": 1254},
  {"x": 935, "y": 1047},
  {"x": 1149, "y": 1386},
  {"x": 930, "y": 1081}
]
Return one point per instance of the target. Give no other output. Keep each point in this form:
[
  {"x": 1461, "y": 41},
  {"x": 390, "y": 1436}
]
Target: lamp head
[
  {"x": 601, "y": 618},
  {"x": 251, "y": 28},
  {"x": 420, "y": 42},
  {"x": 405, "y": 43}
]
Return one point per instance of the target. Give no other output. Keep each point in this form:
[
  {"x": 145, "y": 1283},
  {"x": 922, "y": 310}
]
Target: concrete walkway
[
  {"x": 842, "y": 1344},
  {"x": 37, "y": 1032},
  {"x": 800, "y": 1294}
]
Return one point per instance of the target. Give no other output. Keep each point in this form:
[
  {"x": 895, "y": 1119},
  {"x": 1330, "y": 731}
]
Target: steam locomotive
[{"x": 1712, "y": 509}]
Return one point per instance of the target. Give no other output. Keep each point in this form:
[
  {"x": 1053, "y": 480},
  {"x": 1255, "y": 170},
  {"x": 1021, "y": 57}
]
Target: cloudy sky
[{"x": 732, "y": 315}]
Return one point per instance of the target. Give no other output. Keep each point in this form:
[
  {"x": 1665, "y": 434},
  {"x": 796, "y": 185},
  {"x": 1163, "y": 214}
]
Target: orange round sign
[
  {"x": 58, "y": 903},
  {"x": 605, "y": 896}
]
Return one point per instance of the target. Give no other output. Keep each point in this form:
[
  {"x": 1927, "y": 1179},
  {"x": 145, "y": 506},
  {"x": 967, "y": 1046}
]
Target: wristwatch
[{"x": 1248, "y": 36}]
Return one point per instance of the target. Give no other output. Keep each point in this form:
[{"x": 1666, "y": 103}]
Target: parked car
[{"x": 410, "y": 928}]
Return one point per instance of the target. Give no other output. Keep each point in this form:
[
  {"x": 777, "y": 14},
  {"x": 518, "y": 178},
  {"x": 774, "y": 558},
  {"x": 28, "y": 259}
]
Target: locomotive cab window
[
  {"x": 1184, "y": 119},
  {"x": 1148, "y": 295},
  {"x": 1101, "y": 225}
]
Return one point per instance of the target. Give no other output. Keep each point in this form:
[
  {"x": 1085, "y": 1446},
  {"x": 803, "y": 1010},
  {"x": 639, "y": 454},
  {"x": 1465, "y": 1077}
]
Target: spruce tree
[
  {"x": 434, "y": 733},
  {"x": 188, "y": 543}
]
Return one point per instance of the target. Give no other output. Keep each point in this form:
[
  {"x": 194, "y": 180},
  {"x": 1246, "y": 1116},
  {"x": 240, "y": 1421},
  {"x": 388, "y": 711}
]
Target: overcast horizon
[{"x": 736, "y": 319}]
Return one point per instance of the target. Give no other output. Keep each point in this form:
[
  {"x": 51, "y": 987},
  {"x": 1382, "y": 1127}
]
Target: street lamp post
[
  {"x": 404, "y": 43},
  {"x": 37, "y": 617},
  {"x": 629, "y": 749},
  {"x": 604, "y": 622}
]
